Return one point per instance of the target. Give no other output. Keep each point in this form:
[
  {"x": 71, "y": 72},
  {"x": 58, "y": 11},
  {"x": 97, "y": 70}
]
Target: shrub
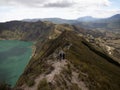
[
  {"x": 43, "y": 85},
  {"x": 30, "y": 82},
  {"x": 4, "y": 86}
]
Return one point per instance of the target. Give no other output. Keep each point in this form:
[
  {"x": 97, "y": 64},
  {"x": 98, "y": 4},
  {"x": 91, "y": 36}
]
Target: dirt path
[
  {"x": 58, "y": 65},
  {"x": 79, "y": 83}
]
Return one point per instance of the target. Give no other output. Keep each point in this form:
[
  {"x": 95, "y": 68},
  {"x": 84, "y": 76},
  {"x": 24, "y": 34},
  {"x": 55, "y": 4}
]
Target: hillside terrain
[
  {"x": 87, "y": 66},
  {"x": 111, "y": 24},
  {"x": 84, "y": 68},
  {"x": 105, "y": 30},
  {"x": 31, "y": 31}
]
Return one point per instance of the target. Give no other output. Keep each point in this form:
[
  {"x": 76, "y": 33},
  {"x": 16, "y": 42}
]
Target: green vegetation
[
  {"x": 25, "y": 30},
  {"x": 30, "y": 82},
  {"x": 31, "y": 31},
  {"x": 43, "y": 85},
  {"x": 95, "y": 69},
  {"x": 100, "y": 73},
  {"x": 75, "y": 87},
  {"x": 32, "y": 72},
  {"x": 4, "y": 86}
]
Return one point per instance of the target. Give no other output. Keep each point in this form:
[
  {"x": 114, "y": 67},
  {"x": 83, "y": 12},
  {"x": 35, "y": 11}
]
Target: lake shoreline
[
  {"x": 10, "y": 49},
  {"x": 33, "y": 50}
]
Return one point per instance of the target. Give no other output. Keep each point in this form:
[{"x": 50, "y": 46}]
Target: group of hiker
[{"x": 61, "y": 55}]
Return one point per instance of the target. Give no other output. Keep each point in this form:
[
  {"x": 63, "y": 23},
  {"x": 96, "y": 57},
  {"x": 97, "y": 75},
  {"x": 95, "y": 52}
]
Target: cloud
[
  {"x": 55, "y": 3},
  {"x": 28, "y": 3},
  {"x": 37, "y": 3},
  {"x": 69, "y": 9},
  {"x": 59, "y": 4}
]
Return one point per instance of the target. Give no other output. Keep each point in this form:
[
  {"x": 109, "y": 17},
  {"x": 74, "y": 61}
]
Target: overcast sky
[{"x": 67, "y": 9}]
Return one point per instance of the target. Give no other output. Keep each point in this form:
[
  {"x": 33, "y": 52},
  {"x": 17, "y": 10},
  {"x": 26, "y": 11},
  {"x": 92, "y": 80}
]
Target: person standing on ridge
[{"x": 62, "y": 55}]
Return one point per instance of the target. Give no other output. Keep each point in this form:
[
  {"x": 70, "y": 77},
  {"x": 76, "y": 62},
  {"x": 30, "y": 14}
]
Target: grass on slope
[{"x": 100, "y": 73}]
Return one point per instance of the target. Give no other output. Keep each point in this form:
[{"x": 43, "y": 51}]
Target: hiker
[{"x": 62, "y": 55}]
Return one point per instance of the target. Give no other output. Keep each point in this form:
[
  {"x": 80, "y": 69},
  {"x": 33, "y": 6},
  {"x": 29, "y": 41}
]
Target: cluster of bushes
[
  {"x": 4, "y": 86},
  {"x": 43, "y": 85}
]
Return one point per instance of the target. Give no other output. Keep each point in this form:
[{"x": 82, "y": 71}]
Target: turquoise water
[{"x": 14, "y": 56}]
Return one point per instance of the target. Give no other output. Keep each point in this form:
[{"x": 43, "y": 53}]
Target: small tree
[{"x": 4, "y": 86}]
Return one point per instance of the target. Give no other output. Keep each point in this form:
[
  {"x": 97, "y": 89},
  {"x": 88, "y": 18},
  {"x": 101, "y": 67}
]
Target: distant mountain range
[
  {"x": 88, "y": 22},
  {"x": 61, "y": 21},
  {"x": 87, "y": 19},
  {"x": 81, "y": 19},
  {"x": 53, "y": 20},
  {"x": 111, "y": 23}
]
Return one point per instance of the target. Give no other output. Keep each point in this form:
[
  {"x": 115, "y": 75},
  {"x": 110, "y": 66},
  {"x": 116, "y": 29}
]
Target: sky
[{"x": 66, "y": 9}]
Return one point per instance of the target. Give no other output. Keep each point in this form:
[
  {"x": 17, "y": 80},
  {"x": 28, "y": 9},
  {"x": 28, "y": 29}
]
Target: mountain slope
[
  {"x": 84, "y": 68},
  {"x": 87, "y": 19},
  {"x": 53, "y": 20},
  {"x": 31, "y": 31},
  {"x": 25, "y": 30},
  {"x": 110, "y": 24}
]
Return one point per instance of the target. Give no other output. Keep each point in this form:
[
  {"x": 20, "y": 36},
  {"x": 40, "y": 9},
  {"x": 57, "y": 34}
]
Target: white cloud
[
  {"x": 20, "y": 9},
  {"x": 41, "y": 3},
  {"x": 59, "y": 4}
]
